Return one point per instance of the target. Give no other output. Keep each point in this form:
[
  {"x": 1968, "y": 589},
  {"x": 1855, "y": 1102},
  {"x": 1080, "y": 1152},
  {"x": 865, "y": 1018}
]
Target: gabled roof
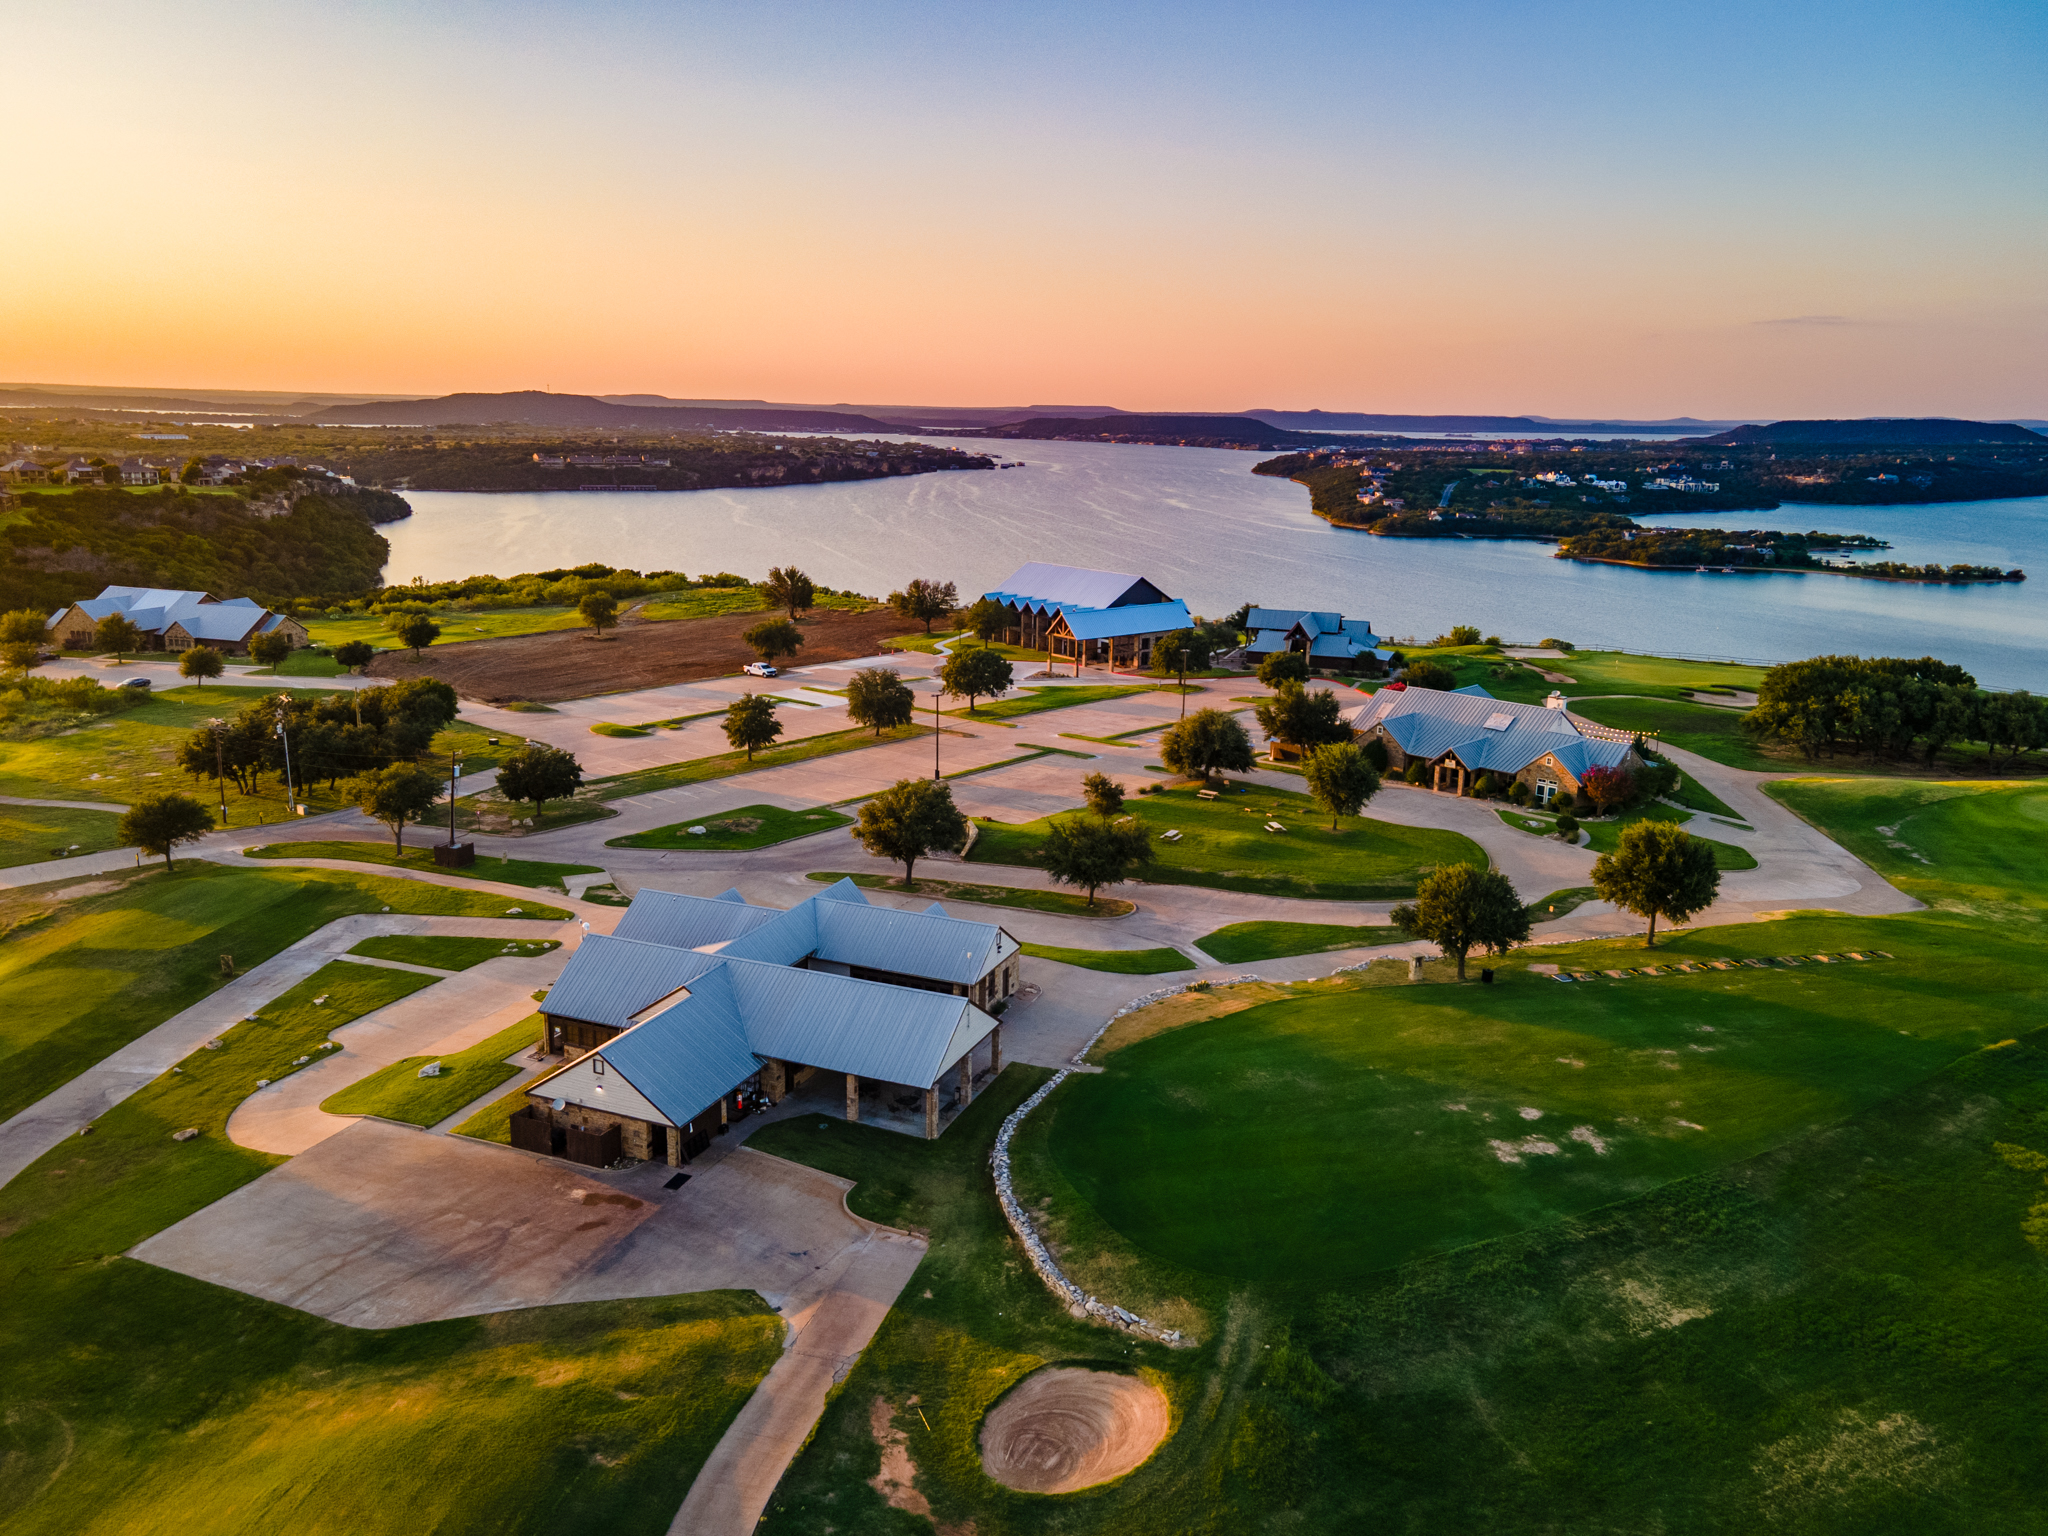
[
  {"x": 690, "y": 922},
  {"x": 230, "y": 622},
  {"x": 1046, "y": 587},
  {"x": 610, "y": 979},
  {"x": 869, "y": 1028},
  {"x": 1132, "y": 619},
  {"x": 1482, "y": 732},
  {"x": 688, "y": 1055}
]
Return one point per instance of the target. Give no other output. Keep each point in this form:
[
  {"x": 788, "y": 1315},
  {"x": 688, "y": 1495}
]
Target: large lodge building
[{"x": 700, "y": 1009}]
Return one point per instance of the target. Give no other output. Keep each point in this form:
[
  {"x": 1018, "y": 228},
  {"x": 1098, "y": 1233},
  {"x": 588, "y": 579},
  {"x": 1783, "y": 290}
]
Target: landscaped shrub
[
  {"x": 1568, "y": 827},
  {"x": 1415, "y": 772},
  {"x": 1486, "y": 786},
  {"x": 1518, "y": 793},
  {"x": 1376, "y": 754}
]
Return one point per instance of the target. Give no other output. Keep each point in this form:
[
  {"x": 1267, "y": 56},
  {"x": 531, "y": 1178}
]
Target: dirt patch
[
  {"x": 569, "y": 664},
  {"x": 1065, "y": 1429}
]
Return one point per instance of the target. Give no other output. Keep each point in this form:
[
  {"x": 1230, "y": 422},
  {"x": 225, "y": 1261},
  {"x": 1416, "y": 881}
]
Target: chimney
[{"x": 1555, "y": 701}]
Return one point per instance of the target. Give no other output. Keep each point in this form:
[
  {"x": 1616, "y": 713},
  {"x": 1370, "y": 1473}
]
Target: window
[
  {"x": 597, "y": 1065},
  {"x": 1546, "y": 791}
]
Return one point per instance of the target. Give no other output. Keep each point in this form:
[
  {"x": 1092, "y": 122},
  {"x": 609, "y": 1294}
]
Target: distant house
[
  {"x": 139, "y": 472},
  {"x": 1326, "y": 639},
  {"x": 1081, "y": 615},
  {"x": 25, "y": 472},
  {"x": 215, "y": 469},
  {"x": 81, "y": 472},
  {"x": 172, "y": 619},
  {"x": 1458, "y": 736}
]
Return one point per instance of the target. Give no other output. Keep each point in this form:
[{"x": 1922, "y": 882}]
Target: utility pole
[{"x": 220, "y": 772}]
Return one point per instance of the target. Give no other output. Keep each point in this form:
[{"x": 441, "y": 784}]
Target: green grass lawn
[
  {"x": 456, "y": 626},
  {"x": 449, "y": 952},
  {"x": 1238, "y": 943},
  {"x": 1031, "y": 701},
  {"x": 29, "y": 834},
  {"x": 612, "y": 728},
  {"x": 750, "y": 826},
  {"x": 491, "y": 812},
  {"x": 1973, "y": 847},
  {"x": 398, "y": 1092},
  {"x": 309, "y": 661},
  {"x": 1605, "y": 836},
  {"x": 928, "y": 645},
  {"x": 133, "y": 1391},
  {"x": 1063, "y": 903},
  {"x": 1714, "y": 733},
  {"x": 1335, "y": 1105},
  {"x": 644, "y": 781},
  {"x": 1653, "y": 676},
  {"x": 1123, "y": 962},
  {"x": 1225, "y": 846},
  {"x": 503, "y": 871},
  {"x": 1790, "y": 1288},
  {"x": 100, "y": 970}
]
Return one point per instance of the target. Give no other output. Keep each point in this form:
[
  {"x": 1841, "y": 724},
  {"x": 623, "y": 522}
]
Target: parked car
[
  {"x": 136, "y": 682},
  {"x": 761, "y": 669}
]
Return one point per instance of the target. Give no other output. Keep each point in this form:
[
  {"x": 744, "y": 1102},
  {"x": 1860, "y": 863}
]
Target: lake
[{"x": 1204, "y": 527}]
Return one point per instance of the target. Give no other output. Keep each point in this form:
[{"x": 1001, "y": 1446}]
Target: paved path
[
  {"x": 66, "y": 805},
  {"x": 34, "y": 1130}
]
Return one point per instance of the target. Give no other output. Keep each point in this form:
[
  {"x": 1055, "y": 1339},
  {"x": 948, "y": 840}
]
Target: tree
[
  {"x": 986, "y": 619},
  {"x": 908, "y": 820},
  {"x": 774, "y": 637},
  {"x": 1283, "y": 667},
  {"x": 788, "y": 587},
  {"x": 1208, "y": 742},
  {"x": 877, "y": 696},
  {"x": 416, "y": 632},
  {"x": 925, "y": 599},
  {"x": 750, "y": 723},
  {"x": 1659, "y": 870},
  {"x": 268, "y": 650},
  {"x": 116, "y": 633},
  {"x": 398, "y": 795},
  {"x": 1460, "y": 634},
  {"x": 202, "y": 662},
  {"x": 975, "y": 674},
  {"x": 1091, "y": 854},
  {"x": 1300, "y": 718},
  {"x": 1341, "y": 778},
  {"x": 1430, "y": 674},
  {"x": 1104, "y": 795},
  {"x": 23, "y": 626},
  {"x": 1460, "y": 908},
  {"x": 540, "y": 773},
  {"x": 600, "y": 610},
  {"x": 1567, "y": 826},
  {"x": 161, "y": 820},
  {"x": 355, "y": 654},
  {"x": 1183, "y": 651},
  {"x": 1608, "y": 788}
]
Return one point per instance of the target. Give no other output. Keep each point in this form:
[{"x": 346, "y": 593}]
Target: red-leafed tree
[{"x": 1609, "y": 788}]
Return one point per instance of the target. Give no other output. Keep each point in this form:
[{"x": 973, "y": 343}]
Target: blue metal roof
[
  {"x": 1482, "y": 732},
  {"x": 609, "y": 979},
  {"x": 1136, "y": 619},
  {"x": 688, "y": 922},
  {"x": 687, "y": 1057}
]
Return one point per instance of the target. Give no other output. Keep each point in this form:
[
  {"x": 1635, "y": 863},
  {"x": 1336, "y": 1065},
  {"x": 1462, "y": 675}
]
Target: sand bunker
[{"x": 1067, "y": 1429}]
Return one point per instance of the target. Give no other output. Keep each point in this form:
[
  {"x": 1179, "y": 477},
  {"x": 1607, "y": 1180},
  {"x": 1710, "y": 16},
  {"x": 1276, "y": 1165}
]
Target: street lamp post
[
  {"x": 454, "y": 773},
  {"x": 290, "y": 795},
  {"x": 938, "y": 692}
]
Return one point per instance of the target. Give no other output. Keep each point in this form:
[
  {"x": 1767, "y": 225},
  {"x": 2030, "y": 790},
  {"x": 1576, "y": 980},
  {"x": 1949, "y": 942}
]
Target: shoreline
[{"x": 1792, "y": 570}]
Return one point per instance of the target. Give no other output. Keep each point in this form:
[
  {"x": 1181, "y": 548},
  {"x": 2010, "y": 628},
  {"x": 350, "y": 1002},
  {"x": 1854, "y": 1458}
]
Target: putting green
[
  {"x": 1975, "y": 847},
  {"x": 1308, "y": 1140}
]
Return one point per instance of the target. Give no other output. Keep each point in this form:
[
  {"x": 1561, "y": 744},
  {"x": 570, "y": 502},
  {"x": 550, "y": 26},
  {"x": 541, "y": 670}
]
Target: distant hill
[
  {"x": 1514, "y": 426},
  {"x": 1223, "y": 431},
  {"x": 536, "y": 408},
  {"x": 1877, "y": 432}
]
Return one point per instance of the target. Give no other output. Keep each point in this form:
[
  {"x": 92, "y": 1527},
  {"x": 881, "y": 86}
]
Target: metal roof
[
  {"x": 686, "y": 1057},
  {"x": 1038, "y": 585},
  {"x": 897, "y": 1034},
  {"x": 610, "y": 979},
  {"x": 1483, "y": 732},
  {"x": 688, "y": 922},
  {"x": 1134, "y": 619}
]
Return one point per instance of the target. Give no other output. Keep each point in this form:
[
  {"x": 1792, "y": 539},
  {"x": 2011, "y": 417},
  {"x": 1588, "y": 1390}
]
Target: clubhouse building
[
  {"x": 174, "y": 620},
  {"x": 1325, "y": 639},
  {"x": 1081, "y": 616},
  {"x": 1458, "y": 736},
  {"x": 699, "y": 1010}
]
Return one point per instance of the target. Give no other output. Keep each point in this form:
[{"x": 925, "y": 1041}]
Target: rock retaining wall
[{"x": 1041, "y": 1257}]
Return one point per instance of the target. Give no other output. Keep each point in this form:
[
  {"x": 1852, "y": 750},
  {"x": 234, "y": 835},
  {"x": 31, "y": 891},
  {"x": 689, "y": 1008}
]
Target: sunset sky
[{"x": 1774, "y": 209}]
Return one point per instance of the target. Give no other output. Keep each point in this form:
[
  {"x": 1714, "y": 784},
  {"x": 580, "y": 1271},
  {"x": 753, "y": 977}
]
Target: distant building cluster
[
  {"x": 24, "y": 468},
  {"x": 1681, "y": 483},
  {"x": 600, "y": 461}
]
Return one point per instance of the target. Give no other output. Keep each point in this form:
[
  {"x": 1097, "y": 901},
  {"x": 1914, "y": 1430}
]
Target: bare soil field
[{"x": 571, "y": 664}]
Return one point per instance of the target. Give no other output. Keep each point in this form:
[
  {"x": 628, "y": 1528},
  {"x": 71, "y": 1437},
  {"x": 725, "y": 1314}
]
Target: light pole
[
  {"x": 454, "y": 773},
  {"x": 220, "y": 772},
  {"x": 290, "y": 798},
  {"x": 938, "y": 692}
]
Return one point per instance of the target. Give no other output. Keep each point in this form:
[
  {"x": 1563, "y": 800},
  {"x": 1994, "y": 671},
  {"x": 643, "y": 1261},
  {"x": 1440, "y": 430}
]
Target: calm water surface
[{"x": 1198, "y": 522}]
